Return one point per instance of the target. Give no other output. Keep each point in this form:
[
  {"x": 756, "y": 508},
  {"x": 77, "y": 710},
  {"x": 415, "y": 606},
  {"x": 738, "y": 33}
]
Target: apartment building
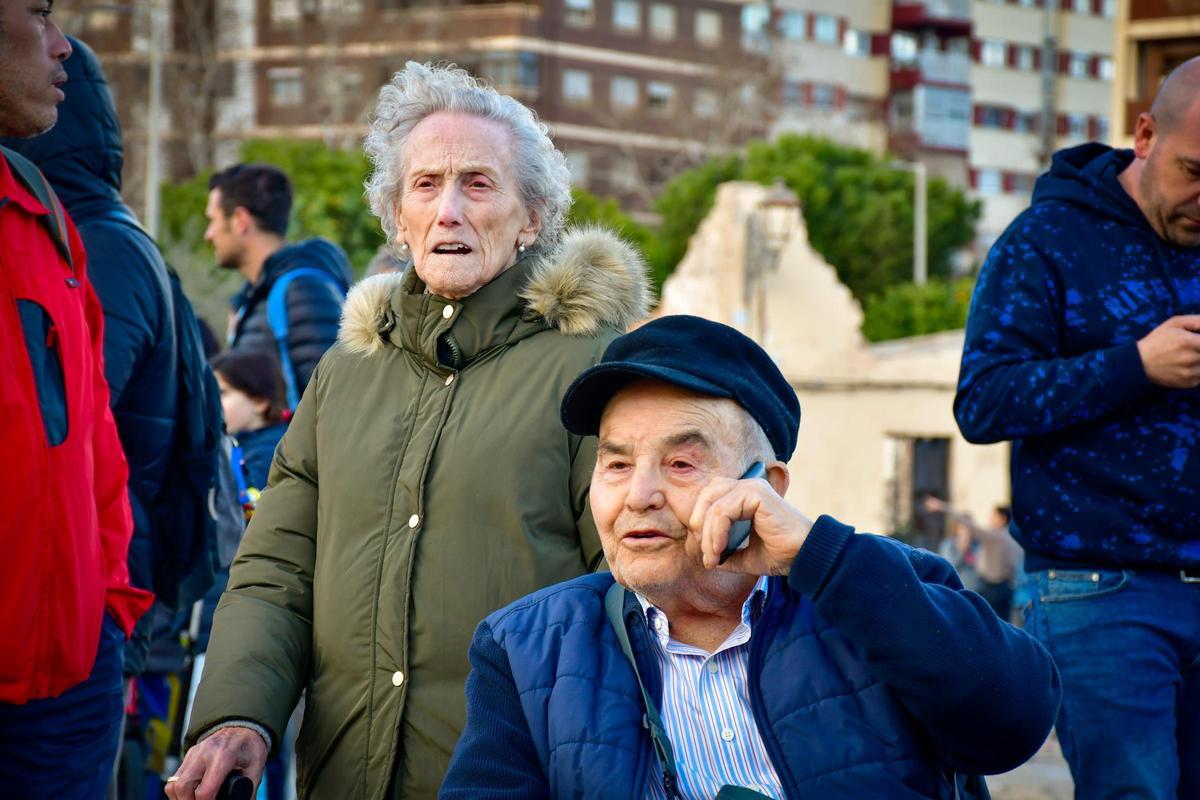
[
  {"x": 1152, "y": 38},
  {"x": 633, "y": 90},
  {"x": 1041, "y": 79}
]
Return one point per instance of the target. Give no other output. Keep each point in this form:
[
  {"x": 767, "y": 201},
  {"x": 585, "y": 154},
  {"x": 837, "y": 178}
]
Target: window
[
  {"x": 992, "y": 117},
  {"x": 708, "y": 27},
  {"x": 341, "y": 8},
  {"x": 824, "y": 96},
  {"x": 988, "y": 181},
  {"x": 705, "y": 103},
  {"x": 904, "y": 48},
  {"x": 793, "y": 25},
  {"x": 1077, "y": 65},
  {"x": 627, "y": 16},
  {"x": 662, "y": 21},
  {"x": 1022, "y": 183},
  {"x": 284, "y": 12},
  {"x": 1105, "y": 70},
  {"x": 1109, "y": 9},
  {"x": 793, "y": 94},
  {"x": 993, "y": 53},
  {"x": 660, "y": 97},
  {"x": 1101, "y": 129},
  {"x": 577, "y": 86},
  {"x": 825, "y": 28},
  {"x": 577, "y": 164},
  {"x": 528, "y": 71},
  {"x": 1077, "y": 127},
  {"x": 624, "y": 175},
  {"x": 286, "y": 86},
  {"x": 623, "y": 93},
  {"x": 579, "y": 13},
  {"x": 756, "y": 19},
  {"x": 857, "y": 43},
  {"x": 1026, "y": 122},
  {"x": 1025, "y": 57}
]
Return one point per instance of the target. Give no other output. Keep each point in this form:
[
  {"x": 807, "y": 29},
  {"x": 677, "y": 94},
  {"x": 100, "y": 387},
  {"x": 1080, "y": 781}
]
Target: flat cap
[{"x": 696, "y": 354}]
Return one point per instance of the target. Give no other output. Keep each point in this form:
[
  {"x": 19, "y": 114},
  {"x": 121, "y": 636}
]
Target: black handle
[{"x": 236, "y": 786}]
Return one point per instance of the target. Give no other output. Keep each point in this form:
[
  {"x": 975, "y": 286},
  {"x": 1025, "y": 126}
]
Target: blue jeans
[
  {"x": 66, "y": 746},
  {"x": 1127, "y": 646}
]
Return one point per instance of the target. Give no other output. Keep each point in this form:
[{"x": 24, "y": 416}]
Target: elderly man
[{"x": 813, "y": 663}]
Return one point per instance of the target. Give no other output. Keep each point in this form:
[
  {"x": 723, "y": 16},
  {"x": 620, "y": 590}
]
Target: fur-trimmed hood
[{"x": 593, "y": 279}]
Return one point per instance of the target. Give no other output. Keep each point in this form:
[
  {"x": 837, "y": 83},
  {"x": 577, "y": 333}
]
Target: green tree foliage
[
  {"x": 859, "y": 210},
  {"x": 905, "y": 309},
  {"x": 587, "y": 208}
]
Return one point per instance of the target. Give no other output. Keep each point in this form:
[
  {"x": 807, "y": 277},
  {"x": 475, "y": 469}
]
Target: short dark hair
[
  {"x": 256, "y": 375},
  {"x": 263, "y": 190}
]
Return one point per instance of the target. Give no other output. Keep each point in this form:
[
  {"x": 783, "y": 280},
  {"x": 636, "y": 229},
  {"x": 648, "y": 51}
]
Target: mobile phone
[{"x": 739, "y": 532}]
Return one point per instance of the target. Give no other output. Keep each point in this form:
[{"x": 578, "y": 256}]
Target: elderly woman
[{"x": 426, "y": 479}]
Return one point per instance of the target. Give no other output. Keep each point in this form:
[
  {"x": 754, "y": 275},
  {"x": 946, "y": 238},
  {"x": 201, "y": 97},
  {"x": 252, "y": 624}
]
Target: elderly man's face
[
  {"x": 460, "y": 210},
  {"x": 32, "y": 49},
  {"x": 659, "y": 447}
]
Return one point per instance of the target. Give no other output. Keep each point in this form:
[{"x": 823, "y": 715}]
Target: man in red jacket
[{"x": 65, "y": 600}]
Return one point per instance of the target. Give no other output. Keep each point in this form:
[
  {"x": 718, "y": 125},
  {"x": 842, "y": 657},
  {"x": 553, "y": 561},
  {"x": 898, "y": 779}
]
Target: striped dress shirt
[{"x": 706, "y": 710}]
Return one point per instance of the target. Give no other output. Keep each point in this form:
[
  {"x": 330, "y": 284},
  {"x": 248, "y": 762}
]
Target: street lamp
[
  {"x": 769, "y": 228},
  {"x": 920, "y": 219}
]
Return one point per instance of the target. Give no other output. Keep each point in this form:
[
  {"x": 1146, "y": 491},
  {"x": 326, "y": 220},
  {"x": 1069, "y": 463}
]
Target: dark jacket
[
  {"x": 872, "y": 674},
  {"x": 258, "y": 448},
  {"x": 1105, "y": 465},
  {"x": 314, "y": 308},
  {"x": 81, "y": 156}
]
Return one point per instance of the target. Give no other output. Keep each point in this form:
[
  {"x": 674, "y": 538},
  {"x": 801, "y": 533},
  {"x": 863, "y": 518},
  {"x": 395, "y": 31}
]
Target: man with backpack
[
  {"x": 152, "y": 356},
  {"x": 66, "y": 604},
  {"x": 291, "y": 303}
]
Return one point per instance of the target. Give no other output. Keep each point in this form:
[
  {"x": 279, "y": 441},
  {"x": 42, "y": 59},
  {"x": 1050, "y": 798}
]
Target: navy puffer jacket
[
  {"x": 82, "y": 156},
  {"x": 314, "y": 307},
  {"x": 872, "y": 674}
]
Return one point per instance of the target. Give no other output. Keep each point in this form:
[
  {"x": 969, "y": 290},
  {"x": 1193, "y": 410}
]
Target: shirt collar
[{"x": 751, "y": 608}]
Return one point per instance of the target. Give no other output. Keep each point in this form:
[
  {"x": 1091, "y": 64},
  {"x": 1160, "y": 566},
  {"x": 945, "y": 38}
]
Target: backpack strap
[
  {"x": 32, "y": 179},
  {"x": 277, "y": 318}
]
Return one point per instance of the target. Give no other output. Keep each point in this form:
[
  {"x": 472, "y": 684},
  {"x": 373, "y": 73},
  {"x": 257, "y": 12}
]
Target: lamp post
[
  {"x": 769, "y": 229},
  {"x": 920, "y": 219}
]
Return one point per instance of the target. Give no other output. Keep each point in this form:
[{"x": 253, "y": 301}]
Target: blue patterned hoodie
[{"x": 1105, "y": 465}]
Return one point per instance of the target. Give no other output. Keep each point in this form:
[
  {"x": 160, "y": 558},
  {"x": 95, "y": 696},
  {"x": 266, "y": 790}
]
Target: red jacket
[{"x": 64, "y": 513}]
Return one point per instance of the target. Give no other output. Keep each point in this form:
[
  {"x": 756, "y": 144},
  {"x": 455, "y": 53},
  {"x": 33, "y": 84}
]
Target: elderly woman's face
[{"x": 460, "y": 207}]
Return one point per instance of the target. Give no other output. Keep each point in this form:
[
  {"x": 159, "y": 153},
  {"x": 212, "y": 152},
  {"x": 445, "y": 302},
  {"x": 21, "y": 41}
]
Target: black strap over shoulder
[{"x": 32, "y": 179}]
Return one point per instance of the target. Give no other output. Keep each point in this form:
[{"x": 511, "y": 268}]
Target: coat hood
[
  {"x": 319, "y": 253},
  {"x": 82, "y": 154},
  {"x": 593, "y": 279},
  {"x": 1086, "y": 176}
]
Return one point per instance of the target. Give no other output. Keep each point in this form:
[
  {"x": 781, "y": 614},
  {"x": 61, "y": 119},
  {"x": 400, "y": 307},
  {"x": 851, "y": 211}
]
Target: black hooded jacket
[
  {"x": 81, "y": 156},
  {"x": 314, "y": 306}
]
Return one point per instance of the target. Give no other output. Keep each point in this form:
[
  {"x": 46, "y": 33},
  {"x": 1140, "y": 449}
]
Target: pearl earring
[
  {"x": 404, "y": 245},
  {"x": 521, "y": 247}
]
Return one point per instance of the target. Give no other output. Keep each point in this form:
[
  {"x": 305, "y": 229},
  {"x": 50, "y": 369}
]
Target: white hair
[
  {"x": 419, "y": 90},
  {"x": 755, "y": 444}
]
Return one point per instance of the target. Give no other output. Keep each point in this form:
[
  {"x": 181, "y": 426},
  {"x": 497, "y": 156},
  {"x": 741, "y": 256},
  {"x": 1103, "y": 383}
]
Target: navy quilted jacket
[
  {"x": 1105, "y": 465},
  {"x": 873, "y": 674},
  {"x": 314, "y": 307}
]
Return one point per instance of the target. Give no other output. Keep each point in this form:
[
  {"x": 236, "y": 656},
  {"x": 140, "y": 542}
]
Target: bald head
[{"x": 1177, "y": 97}]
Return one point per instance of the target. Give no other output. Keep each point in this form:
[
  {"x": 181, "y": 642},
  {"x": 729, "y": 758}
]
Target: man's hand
[
  {"x": 207, "y": 764},
  {"x": 1171, "y": 353},
  {"x": 778, "y": 532}
]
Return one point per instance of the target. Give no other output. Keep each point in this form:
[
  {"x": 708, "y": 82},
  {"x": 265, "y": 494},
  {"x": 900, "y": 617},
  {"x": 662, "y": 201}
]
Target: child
[{"x": 252, "y": 397}]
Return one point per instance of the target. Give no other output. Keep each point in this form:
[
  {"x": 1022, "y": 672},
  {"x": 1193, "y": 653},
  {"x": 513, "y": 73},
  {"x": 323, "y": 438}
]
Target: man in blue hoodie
[
  {"x": 1082, "y": 347},
  {"x": 248, "y": 209}
]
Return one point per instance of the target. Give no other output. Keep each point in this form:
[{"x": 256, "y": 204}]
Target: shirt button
[
  {"x": 449, "y": 379},
  {"x": 448, "y": 312},
  {"x": 414, "y": 520},
  {"x": 727, "y": 734},
  {"x": 397, "y": 678},
  {"x": 712, "y": 667}
]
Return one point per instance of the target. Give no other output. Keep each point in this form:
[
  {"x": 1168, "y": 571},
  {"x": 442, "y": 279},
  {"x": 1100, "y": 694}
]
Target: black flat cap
[{"x": 696, "y": 354}]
